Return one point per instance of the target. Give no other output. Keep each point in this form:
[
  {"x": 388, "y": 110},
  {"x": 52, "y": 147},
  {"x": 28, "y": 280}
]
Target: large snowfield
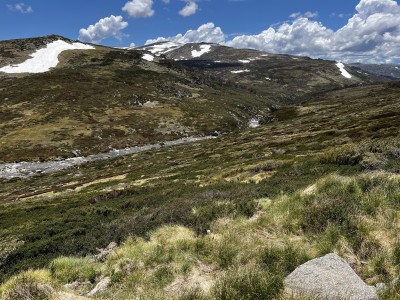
[{"x": 43, "y": 59}]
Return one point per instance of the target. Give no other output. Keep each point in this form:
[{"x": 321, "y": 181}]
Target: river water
[{"x": 27, "y": 169}]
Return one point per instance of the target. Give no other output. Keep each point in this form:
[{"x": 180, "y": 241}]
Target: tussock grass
[
  {"x": 70, "y": 269},
  {"x": 248, "y": 258},
  {"x": 349, "y": 154},
  {"x": 247, "y": 283},
  {"x": 28, "y": 285}
]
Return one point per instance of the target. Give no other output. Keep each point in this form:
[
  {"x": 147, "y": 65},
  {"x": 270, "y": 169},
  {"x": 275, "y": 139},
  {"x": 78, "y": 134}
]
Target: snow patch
[
  {"x": 268, "y": 78},
  {"x": 148, "y": 57},
  {"x": 150, "y": 104},
  {"x": 254, "y": 123},
  {"x": 244, "y": 61},
  {"x": 43, "y": 59},
  {"x": 342, "y": 70},
  {"x": 240, "y": 71},
  {"x": 203, "y": 50},
  {"x": 163, "y": 48},
  {"x": 264, "y": 55}
]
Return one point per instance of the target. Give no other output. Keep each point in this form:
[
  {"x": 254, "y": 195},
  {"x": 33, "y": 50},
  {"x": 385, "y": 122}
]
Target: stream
[{"x": 28, "y": 169}]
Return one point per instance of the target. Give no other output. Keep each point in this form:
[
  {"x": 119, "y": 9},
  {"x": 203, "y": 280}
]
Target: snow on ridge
[
  {"x": 342, "y": 70},
  {"x": 203, "y": 50},
  {"x": 43, "y": 59},
  {"x": 240, "y": 71},
  {"x": 163, "y": 48},
  {"x": 148, "y": 57},
  {"x": 244, "y": 61}
]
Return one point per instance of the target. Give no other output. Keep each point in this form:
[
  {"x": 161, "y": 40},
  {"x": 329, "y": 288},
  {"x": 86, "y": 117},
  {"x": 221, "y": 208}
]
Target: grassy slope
[
  {"x": 248, "y": 258},
  {"x": 75, "y": 211}
]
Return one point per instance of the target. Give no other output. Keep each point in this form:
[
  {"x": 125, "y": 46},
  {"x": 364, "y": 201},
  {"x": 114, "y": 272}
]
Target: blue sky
[
  {"x": 251, "y": 16},
  {"x": 137, "y": 21}
]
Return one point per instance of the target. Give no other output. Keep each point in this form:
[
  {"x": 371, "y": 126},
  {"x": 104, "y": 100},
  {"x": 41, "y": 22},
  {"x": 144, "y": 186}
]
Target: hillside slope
[
  {"x": 307, "y": 159},
  {"x": 102, "y": 98}
]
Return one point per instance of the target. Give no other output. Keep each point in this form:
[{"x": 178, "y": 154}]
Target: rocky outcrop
[
  {"x": 103, "y": 253},
  {"x": 329, "y": 277},
  {"x": 101, "y": 286}
]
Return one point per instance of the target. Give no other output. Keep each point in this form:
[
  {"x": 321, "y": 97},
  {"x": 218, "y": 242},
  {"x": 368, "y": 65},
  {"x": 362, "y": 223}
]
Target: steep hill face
[{"x": 93, "y": 99}]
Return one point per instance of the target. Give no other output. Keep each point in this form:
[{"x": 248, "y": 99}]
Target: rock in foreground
[{"x": 328, "y": 277}]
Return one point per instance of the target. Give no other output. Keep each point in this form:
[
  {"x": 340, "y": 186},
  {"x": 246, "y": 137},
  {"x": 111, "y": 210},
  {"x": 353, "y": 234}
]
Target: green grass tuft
[
  {"x": 70, "y": 269},
  {"x": 248, "y": 283}
]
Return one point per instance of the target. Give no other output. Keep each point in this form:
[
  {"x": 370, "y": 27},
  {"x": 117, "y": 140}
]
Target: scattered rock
[
  {"x": 380, "y": 286},
  {"x": 79, "y": 287},
  {"x": 329, "y": 277},
  {"x": 199, "y": 279},
  {"x": 280, "y": 151},
  {"x": 103, "y": 253},
  {"x": 101, "y": 286},
  {"x": 69, "y": 296}
]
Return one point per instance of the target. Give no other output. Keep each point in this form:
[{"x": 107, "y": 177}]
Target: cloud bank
[
  {"x": 371, "y": 35},
  {"x": 104, "y": 28}
]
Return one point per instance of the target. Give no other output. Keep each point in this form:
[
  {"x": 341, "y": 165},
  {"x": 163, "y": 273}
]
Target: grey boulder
[
  {"x": 101, "y": 286},
  {"x": 329, "y": 277}
]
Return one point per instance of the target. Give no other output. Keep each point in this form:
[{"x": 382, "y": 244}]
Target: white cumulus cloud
[
  {"x": 372, "y": 34},
  {"x": 189, "y": 9},
  {"x": 139, "y": 8},
  {"x": 296, "y": 38},
  {"x": 20, "y": 7},
  {"x": 104, "y": 28},
  {"x": 208, "y": 33}
]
